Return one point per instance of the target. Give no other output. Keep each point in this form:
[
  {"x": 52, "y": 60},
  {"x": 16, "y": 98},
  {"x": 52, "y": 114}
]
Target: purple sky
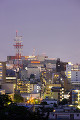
[{"x": 49, "y": 26}]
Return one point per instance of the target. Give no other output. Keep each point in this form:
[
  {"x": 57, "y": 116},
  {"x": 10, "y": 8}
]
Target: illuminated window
[
  {"x": 0, "y": 77},
  {"x": 69, "y": 76},
  {"x": 69, "y": 71}
]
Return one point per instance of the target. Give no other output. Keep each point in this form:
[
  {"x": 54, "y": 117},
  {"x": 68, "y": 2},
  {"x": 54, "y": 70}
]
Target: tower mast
[{"x": 18, "y": 47}]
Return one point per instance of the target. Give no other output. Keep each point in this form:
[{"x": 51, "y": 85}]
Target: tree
[
  {"x": 4, "y": 100},
  {"x": 14, "y": 112},
  {"x": 32, "y": 76},
  {"x": 55, "y": 105},
  {"x": 18, "y": 98},
  {"x": 44, "y": 103},
  {"x": 63, "y": 102}
]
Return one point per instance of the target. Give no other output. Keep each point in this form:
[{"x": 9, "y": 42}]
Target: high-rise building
[
  {"x": 73, "y": 74},
  {"x": 60, "y": 66},
  {"x": 76, "y": 97},
  {"x": 2, "y": 72}
]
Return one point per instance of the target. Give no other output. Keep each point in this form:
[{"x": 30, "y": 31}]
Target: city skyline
[{"x": 51, "y": 27}]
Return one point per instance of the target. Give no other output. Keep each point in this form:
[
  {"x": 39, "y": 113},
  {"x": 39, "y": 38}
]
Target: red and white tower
[{"x": 18, "y": 47}]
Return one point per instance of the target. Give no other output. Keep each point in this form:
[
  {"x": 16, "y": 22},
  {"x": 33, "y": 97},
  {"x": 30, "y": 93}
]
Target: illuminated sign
[
  {"x": 10, "y": 77},
  {"x": 35, "y": 61}
]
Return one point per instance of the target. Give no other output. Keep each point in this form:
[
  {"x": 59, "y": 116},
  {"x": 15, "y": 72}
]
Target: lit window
[{"x": 0, "y": 77}]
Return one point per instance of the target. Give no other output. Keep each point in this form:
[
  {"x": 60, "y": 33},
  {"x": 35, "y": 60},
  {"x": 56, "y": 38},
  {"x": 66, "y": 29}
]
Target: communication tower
[
  {"x": 33, "y": 52},
  {"x": 18, "y": 47}
]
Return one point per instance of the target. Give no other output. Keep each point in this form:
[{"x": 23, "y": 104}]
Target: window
[{"x": 77, "y": 114}]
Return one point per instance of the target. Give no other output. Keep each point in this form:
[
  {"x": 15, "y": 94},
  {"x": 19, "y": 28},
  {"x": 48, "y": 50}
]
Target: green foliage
[
  {"x": 55, "y": 105},
  {"x": 14, "y": 112},
  {"x": 4, "y": 100},
  {"x": 32, "y": 76},
  {"x": 63, "y": 102},
  {"x": 44, "y": 103},
  {"x": 18, "y": 98},
  {"x": 36, "y": 101}
]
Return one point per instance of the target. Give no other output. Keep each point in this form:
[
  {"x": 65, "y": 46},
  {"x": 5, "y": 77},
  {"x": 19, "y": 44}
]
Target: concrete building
[
  {"x": 60, "y": 66},
  {"x": 54, "y": 91},
  {"x": 23, "y": 74},
  {"x": 10, "y": 76},
  {"x": 9, "y": 88},
  {"x": 73, "y": 74},
  {"x": 25, "y": 86},
  {"x": 76, "y": 97},
  {"x": 58, "y": 93},
  {"x": 35, "y": 71},
  {"x": 75, "y": 78},
  {"x": 2, "y": 91},
  {"x": 2, "y": 72},
  {"x": 37, "y": 88},
  {"x": 64, "y": 115},
  {"x": 68, "y": 70}
]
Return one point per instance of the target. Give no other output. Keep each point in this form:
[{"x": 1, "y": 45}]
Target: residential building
[
  {"x": 54, "y": 91},
  {"x": 2, "y": 72},
  {"x": 76, "y": 97},
  {"x": 11, "y": 76}
]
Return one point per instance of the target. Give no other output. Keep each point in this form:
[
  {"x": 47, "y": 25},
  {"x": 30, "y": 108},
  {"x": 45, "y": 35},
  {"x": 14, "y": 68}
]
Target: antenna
[
  {"x": 18, "y": 46},
  {"x": 16, "y": 33},
  {"x": 33, "y": 52}
]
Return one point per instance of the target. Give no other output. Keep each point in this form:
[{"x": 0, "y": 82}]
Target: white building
[
  {"x": 37, "y": 88},
  {"x": 68, "y": 70},
  {"x": 75, "y": 77},
  {"x": 73, "y": 73}
]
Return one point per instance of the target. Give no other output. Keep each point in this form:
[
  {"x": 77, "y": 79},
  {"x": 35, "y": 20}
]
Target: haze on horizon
[{"x": 49, "y": 26}]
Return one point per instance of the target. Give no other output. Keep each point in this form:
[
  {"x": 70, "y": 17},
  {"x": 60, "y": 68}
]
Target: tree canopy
[
  {"x": 18, "y": 98},
  {"x": 63, "y": 102},
  {"x": 32, "y": 76},
  {"x": 4, "y": 100}
]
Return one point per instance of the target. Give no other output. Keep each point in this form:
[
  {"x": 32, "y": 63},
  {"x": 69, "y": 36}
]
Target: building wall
[
  {"x": 54, "y": 94},
  {"x": 9, "y": 88},
  {"x": 68, "y": 70},
  {"x": 49, "y": 86},
  {"x": 26, "y": 88},
  {"x": 29, "y": 88},
  {"x": 37, "y": 88},
  {"x": 35, "y": 71},
  {"x": 76, "y": 97},
  {"x": 73, "y": 74},
  {"x": 2, "y": 92},
  {"x": 75, "y": 77},
  {"x": 24, "y": 74},
  {"x": 2, "y": 72}
]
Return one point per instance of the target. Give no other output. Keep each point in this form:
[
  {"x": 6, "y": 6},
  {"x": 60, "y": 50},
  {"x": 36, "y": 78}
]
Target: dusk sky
[{"x": 50, "y": 26}]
